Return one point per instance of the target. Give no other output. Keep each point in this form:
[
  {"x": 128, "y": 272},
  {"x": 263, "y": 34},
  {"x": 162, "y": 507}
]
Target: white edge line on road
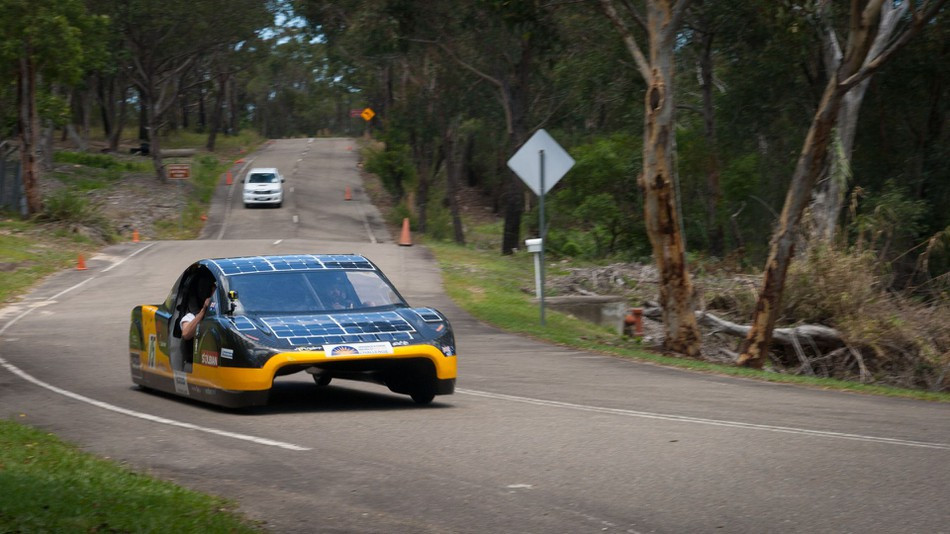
[
  {"x": 125, "y": 411},
  {"x": 698, "y": 420},
  {"x": 148, "y": 417}
]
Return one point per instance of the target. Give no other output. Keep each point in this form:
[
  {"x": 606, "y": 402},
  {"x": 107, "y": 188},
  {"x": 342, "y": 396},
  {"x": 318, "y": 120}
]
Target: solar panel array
[
  {"x": 306, "y": 330},
  {"x": 299, "y": 262}
]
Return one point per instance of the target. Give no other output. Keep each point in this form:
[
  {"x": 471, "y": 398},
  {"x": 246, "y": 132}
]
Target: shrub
[
  {"x": 66, "y": 206},
  {"x": 393, "y": 164}
]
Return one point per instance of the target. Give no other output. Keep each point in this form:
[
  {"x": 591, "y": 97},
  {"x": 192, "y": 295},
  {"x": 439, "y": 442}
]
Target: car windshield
[
  {"x": 263, "y": 178},
  {"x": 313, "y": 291}
]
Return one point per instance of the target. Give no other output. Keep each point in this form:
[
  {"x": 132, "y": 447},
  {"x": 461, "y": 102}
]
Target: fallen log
[{"x": 820, "y": 334}]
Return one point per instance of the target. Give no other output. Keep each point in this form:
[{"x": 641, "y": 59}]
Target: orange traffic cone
[
  {"x": 81, "y": 264},
  {"x": 135, "y": 236},
  {"x": 347, "y": 194},
  {"x": 229, "y": 179},
  {"x": 405, "y": 240}
]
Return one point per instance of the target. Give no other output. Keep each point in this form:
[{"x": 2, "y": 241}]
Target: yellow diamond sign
[{"x": 367, "y": 114}]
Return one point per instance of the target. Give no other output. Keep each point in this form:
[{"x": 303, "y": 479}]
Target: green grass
[
  {"x": 491, "y": 288},
  {"x": 47, "y": 485}
]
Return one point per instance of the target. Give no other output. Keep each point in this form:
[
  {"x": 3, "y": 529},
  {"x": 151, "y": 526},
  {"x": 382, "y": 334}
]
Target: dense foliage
[{"x": 457, "y": 87}]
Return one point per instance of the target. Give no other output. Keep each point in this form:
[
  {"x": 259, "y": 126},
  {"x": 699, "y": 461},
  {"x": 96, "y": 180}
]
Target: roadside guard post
[
  {"x": 535, "y": 246},
  {"x": 540, "y": 163}
]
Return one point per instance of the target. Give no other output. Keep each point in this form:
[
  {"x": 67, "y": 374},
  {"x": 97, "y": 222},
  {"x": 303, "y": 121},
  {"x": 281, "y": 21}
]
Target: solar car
[{"x": 332, "y": 316}]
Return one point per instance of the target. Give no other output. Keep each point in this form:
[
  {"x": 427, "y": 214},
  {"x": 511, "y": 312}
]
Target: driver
[{"x": 190, "y": 321}]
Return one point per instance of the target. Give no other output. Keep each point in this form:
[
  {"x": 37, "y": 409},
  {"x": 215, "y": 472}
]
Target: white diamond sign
[{"x": 526, "y": 162}]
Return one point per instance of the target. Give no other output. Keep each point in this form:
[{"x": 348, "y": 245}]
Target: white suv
[{"x": 263, "y": 185}]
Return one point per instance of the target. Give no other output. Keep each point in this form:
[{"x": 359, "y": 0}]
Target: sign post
[
  {"x": 179, "y": 172},
  {"x": 552, "y": 163}
]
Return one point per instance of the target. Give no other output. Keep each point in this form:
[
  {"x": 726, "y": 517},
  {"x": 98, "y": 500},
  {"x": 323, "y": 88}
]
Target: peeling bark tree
[
  {"x": 657, "y": 179},
  {"x": 829, "y": 191},
  {"x": 856, "y": 65}
]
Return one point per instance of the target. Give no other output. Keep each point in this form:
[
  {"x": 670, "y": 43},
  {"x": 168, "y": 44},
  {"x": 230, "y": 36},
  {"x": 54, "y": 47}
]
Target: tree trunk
[
  {"x": 810, "y": 164},
  {"x": 453, "y": 168},
  {"x": 143, "y": 116},
  {"x": 217, "y": 108},
  {"x": 829, "y": 194},
  {"x": 28, "y": 120},
  {"x": 714, "y": 229},
  {"x": 155, "y": 148},
  {"x": 682, "y": 334}
]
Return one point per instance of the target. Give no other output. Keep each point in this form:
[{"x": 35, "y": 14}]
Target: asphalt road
[{"x": 537, "y": 438}]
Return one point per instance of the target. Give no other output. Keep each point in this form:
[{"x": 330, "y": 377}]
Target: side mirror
[{"x": 232, "y": 301}]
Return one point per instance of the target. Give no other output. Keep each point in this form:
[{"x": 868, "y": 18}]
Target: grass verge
[
  {"x": 30, "y": 252},
  {"x": 489, "y": 286},
  {"x": 47, "y": 485}
]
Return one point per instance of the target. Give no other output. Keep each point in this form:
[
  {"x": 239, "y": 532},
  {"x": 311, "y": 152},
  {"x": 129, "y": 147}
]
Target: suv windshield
[
  {"x": 263, "y": 178},
  {"x": 313, "y": 291}
]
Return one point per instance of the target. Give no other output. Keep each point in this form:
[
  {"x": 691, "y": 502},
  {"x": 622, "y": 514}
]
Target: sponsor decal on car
[
  {"x": 227, "y": 354},
  {"x": 358, "y": 349},
  {"x": 151, "y": 350},
  {"x": 448, "y": 350},
  {"x": 209, "y": 358},
  {"x": 181, "y": 383},
  {"x": 135, "y": 360}
]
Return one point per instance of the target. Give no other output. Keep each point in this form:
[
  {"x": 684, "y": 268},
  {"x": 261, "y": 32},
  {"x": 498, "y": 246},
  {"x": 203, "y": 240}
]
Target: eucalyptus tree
[
  {"x": 828, "y": 197},
  {"x": 165, "y": 38},
  {"x": 661, "y": 25},
  {"x": 860, "y": 59},
  {"x": 41, "y": 42}
]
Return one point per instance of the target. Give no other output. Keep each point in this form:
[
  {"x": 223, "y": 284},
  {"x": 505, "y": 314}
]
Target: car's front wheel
[
  {"x": 322, "y": 380},
  {"x": 422, "y": 396}
]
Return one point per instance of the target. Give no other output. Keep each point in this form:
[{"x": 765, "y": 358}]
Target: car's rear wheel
[{"x": 322, "y": 380}]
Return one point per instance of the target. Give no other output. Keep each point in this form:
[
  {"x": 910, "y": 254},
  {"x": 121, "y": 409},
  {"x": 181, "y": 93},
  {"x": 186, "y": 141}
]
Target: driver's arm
[{"x": 189, "y": 329}]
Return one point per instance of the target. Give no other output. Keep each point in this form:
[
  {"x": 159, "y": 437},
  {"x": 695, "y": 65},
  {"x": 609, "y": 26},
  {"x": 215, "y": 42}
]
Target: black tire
[
  {"x": 278, "y": 204},
  {"x": 422, "y": 396},
  {"x": 322, "y": 380},
  {"x": 246, "y": 205}
]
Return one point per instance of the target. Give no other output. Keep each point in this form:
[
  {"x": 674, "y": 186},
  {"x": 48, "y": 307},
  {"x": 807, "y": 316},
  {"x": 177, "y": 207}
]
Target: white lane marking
[
  {"x": 132, "y": 255},
  {"x": 699, "y": 420},
  {"x": 296, "y": 219},
  {"x": 277, "y": 242},
  {"x": 148, "y": 417},
  {"x": 104, "y": 405},
  {"x": 67, "y": 290}
]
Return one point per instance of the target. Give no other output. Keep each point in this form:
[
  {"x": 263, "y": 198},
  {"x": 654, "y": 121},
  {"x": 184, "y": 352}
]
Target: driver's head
[{"x": 205, "y": 287}]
